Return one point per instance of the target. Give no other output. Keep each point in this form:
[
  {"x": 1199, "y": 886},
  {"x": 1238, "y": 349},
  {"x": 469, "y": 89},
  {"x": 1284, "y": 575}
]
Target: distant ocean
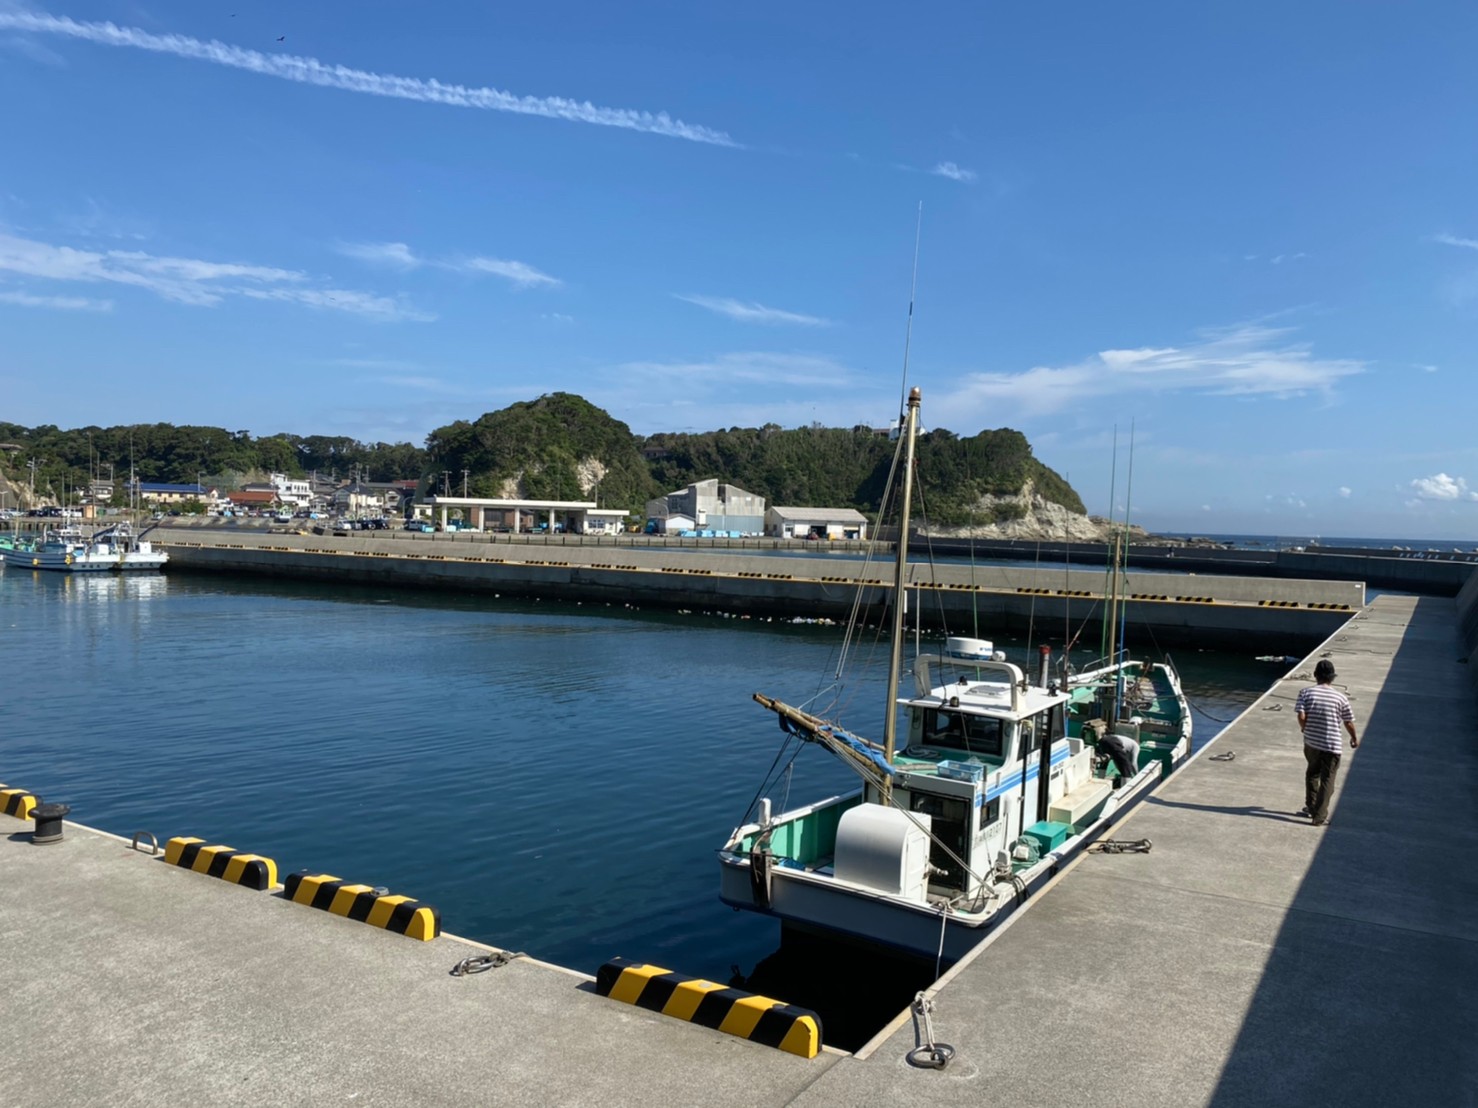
[{"x": 1286, "y": 542}]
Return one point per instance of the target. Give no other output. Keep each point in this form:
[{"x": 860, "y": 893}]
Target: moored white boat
[
  {"x": 68, "y": 550},
  {"x": 994, "y": 783}
]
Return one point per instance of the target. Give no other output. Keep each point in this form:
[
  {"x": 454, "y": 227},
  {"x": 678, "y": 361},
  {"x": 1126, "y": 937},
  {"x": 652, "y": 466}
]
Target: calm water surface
[{"x": 555, "y": 778}]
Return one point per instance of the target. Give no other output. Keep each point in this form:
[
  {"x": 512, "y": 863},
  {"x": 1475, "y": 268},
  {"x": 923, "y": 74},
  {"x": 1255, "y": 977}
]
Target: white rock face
[
  {"x": 588, "y": 472},
  {"x": 1044, "y": 521}
]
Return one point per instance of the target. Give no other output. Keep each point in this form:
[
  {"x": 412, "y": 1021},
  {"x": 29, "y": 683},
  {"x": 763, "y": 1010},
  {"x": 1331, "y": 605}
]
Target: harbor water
[{"x": 554, "y": 778}]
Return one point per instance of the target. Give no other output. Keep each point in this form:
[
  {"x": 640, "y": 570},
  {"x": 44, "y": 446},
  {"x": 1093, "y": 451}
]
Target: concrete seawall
[
  {"x": 1467, "y": 619},
  {"x": 1428, "y": 572},
  {"x": 1284, "y": 615}
]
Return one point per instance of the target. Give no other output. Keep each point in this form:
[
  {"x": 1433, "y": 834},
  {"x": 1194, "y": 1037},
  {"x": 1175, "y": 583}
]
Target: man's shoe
[
  {"x": 1304, "y": 811},
  {"x": 1319, "y": 823}
]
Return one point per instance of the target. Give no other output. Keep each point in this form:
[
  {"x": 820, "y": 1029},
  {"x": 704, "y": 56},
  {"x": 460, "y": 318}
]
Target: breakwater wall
[
  {"x": 1431, "y": 573},
  {"x": 1467, "y": 618},
  {"x": 1283, "y": 616}
]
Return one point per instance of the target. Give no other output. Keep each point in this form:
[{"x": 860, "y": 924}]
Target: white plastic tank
[{"x": 884, "y": 849}]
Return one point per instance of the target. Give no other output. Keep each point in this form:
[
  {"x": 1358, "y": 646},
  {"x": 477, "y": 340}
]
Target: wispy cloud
[
  {"x": 1345, "y": 492},
  {"x": 311, "y": 71},
  {"x": 33, "y": 50},
  {"x": 397, "y": 255},
  {"x": 953, "y": 172},
  {"x": 1454, "y": 240},
  {"x": 191, "y": 281},
  {"x": 523, "y": 275},
  {"x": 64, "y": 303},
  {"x": 1246, "y": 360},
  {"x": 750, "y": 367},
  {"x": 185, "y": 280},
  {"x": 751, "y": 312},
  {"x": 384, "y": 308},
  {"x": 1442, "y": 487}
]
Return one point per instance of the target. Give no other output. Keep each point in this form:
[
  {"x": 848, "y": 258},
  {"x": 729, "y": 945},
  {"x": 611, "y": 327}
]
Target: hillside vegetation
[{"x": 562, "y": 447}]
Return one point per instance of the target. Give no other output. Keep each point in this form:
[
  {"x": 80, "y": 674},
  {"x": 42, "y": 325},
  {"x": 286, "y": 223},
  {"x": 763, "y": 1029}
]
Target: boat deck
[{"x": 1248, "y": 959}]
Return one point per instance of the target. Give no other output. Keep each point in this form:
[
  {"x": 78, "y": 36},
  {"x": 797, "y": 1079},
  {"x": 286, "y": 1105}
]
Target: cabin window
[
  {"x": 1058, "y": 721},
  {"x": 990, "y": 811},
  {"x": 1032, "y": 729},
  {"x": 978, "y": 735}
]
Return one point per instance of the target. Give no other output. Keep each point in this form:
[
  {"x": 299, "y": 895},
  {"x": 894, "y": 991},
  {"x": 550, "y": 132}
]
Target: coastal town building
[
  {"x": 815, "y": 523},
  {"x": 160, "y": 494},
  {"x": 360, "y": 499},
  {"x": 707, "y": 505}
]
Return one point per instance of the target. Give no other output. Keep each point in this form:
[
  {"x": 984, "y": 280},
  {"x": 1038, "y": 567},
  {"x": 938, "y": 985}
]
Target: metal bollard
[{"x": 48, "y": 819}]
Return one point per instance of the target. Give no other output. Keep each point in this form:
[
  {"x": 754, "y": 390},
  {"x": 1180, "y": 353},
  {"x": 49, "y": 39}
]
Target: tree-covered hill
[
  {"x": 67, "y": 460},
  {"x": 562, "y": 447}
]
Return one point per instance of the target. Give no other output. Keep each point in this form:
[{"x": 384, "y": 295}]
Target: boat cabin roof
[{"x": 987, "y": 698}]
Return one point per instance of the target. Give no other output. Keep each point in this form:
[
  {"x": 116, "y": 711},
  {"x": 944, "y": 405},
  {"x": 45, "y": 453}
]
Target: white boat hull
[
  {"x": 86, "y": 561},
  {"x": 818, "y": 901}
]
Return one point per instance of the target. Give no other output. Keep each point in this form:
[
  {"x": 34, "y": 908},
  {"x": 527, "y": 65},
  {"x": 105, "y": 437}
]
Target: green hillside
[{"x": 562, "y": 447}]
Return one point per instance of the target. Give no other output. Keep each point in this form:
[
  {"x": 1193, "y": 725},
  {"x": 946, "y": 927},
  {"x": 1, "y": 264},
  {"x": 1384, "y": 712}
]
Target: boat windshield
[{"x": 953, "y": 730}]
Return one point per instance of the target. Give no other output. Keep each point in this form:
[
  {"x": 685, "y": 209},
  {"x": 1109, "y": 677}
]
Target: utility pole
[
  {"x": 31, "y": 465},
  {"x": 446, "y": 482},
  {"x": 464, "y": 484}
]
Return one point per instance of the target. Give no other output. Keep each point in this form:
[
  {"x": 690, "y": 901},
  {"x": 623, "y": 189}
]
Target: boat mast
[{"x": 900, "y": 570}]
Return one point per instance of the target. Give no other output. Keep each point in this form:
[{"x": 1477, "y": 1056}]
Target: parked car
[{"x": 418, "y": 525}]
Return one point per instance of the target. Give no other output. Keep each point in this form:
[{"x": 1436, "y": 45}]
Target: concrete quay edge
[{"x": 130, "y": 981}]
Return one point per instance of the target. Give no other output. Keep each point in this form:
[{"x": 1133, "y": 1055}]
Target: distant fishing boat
[
  {"x": 995, "y": 782},
  {"x": 114, "y": 549}
]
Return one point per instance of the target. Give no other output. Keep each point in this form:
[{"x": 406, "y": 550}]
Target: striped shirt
[{"x": 1327, "y": 710}]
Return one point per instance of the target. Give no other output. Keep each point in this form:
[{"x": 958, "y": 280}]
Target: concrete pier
[
  {"x": 1248, "y": 959},
  {"x": 1282, "y": 616}
]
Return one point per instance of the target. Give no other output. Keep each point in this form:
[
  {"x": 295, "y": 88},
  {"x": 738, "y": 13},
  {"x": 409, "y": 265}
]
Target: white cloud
[
  {"x": 185, "y": 280},
  {"x": 367, "y": 304},
  {"x": 752, "y": 367},
  {"x": 289, "y": 67},
  {"x": 394, "y": 254},
  {"x": 953, "y": 172},
  {"x": 556, "y": 317},
  {"x": 191, "y": 281},
  {"x": 1345, "y": 491},
  {"x": 523, "y": 275},
  {"x": 1246, "y": 360},
  {"x": 397, "y": 255},
  {"x": 751, "y": 312},
  {"x": 65, "y": 303},
  {"x": 1442, "y": 487},
  {"x": 1454, "y": 240}
]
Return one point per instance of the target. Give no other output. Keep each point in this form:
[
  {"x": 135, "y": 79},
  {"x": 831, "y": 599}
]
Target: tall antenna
[{"x": 913, "y": 288}]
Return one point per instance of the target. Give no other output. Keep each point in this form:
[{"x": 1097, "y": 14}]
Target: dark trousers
[{"x": 1319, "y": 782}]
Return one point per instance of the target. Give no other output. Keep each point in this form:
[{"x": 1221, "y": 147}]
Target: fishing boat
[
  {"x": 114, "y": 549},
  {"x": 996, "y": 780}
]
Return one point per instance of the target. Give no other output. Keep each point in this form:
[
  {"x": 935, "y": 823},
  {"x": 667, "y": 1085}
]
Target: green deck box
[{"x": 1048, "y": 835}]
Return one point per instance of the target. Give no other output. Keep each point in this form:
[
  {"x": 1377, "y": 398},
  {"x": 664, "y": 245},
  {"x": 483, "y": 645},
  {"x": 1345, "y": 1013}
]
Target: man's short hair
[{"x": 1324, "y": 671}]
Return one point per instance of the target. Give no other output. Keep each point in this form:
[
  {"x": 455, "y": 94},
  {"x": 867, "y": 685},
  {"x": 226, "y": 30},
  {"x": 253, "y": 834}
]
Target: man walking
[{"x": 1322, "y": 709}]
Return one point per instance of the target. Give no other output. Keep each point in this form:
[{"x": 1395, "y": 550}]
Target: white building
[
  {"x": 291, "y": 492},
  {"x": 709, "y": 505},
  {"x": 815, "y": 523}
]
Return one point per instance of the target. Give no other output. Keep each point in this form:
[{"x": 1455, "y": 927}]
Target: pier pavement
[{"x": 1248, "y": 959}]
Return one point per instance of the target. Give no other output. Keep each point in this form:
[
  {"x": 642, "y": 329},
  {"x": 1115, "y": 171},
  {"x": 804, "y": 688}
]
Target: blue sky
[{"x": 1249, "y": 231}]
